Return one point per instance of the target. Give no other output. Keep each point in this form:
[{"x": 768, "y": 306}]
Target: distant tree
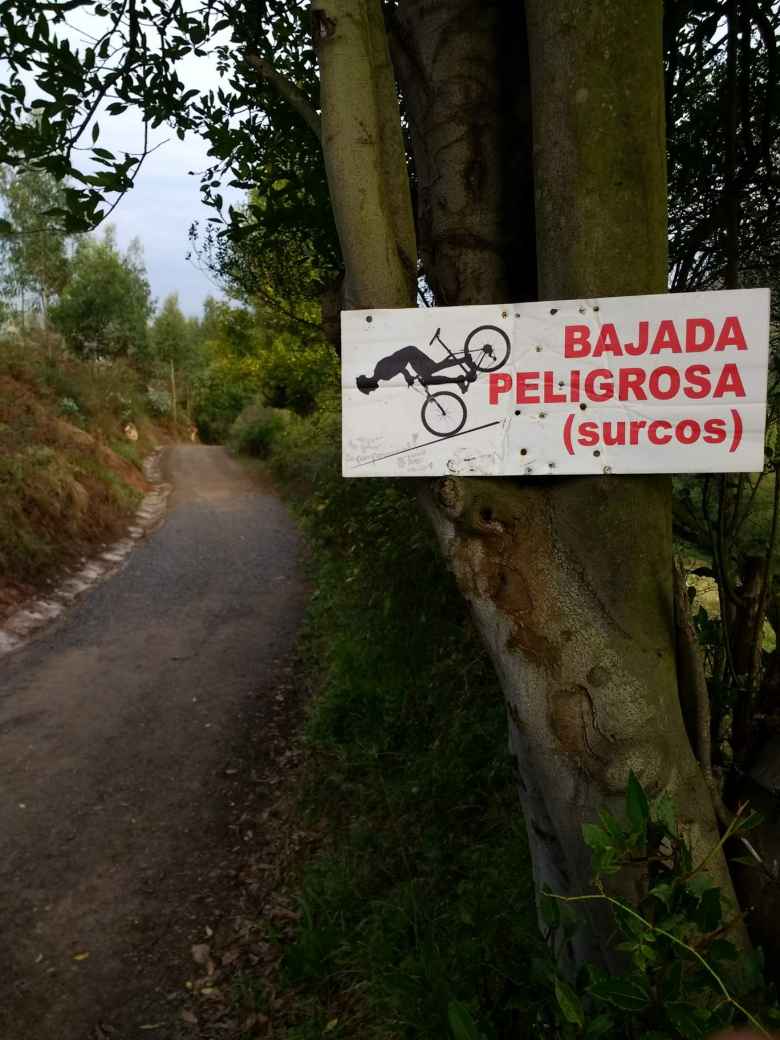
[
  {"x": 171, "y": 334},
  {"x": 35, "y": 262},
  {"x": 105, "y": 308},
  {"x": 172, "y": 343},
  {"x": 228, "y": 327}
]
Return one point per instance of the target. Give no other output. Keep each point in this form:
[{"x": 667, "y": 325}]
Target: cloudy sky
[
  {"x": 166, "y": 199},
  {"x": 160, "y": 209}
]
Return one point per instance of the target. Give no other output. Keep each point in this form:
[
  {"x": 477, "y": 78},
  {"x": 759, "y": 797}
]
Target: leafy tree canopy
[
  {"x": 34, "y": 253},
  {"x": 106, "y": 305},
  {"x": 171, "y": 334},
  {"x": 253, "y": 130},
  {"x": 262, "y": 126}
]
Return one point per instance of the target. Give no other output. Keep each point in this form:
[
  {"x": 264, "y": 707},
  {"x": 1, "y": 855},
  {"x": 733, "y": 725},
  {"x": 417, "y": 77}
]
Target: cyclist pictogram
[{"x": 443, "y": 413}]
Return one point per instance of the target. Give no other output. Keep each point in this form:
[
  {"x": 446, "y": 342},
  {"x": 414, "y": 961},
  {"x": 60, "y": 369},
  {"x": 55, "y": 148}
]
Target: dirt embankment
[{"x": 68, "y": 484}]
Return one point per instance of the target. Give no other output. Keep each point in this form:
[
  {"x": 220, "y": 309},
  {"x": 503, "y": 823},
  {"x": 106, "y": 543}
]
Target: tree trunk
[
  {"x": 173, "y": 394},
  {"x": 364, "y": 155},
  {"x": 463, "y": 71},
  {"x": 570, "y": 581}
]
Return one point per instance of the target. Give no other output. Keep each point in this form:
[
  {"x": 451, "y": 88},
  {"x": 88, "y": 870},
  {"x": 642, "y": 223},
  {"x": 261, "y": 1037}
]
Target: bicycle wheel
[
  {"x": 488, "y": 347},
  {"x": 443, "y": 414}
]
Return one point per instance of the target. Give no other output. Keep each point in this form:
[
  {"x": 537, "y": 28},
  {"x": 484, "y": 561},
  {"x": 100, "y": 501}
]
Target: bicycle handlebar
[{"x": 434, "y": 337}]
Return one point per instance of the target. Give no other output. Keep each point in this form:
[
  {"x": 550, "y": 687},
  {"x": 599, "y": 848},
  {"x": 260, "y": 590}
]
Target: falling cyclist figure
[
  {"x": 423, "y": 367},
  {"x": 443, "y": 413}
]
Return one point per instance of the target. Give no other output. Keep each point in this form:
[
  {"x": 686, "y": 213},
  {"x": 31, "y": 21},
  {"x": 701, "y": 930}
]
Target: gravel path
[{"x": 121, "y": 730}]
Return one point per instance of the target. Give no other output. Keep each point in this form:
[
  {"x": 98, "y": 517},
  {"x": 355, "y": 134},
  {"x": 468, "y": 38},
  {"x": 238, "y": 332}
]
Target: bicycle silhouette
[{"x": 443, "y": 413}]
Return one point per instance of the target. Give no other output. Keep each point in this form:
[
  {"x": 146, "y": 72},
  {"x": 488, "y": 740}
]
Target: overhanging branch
[{"x": 288, "y": 90}]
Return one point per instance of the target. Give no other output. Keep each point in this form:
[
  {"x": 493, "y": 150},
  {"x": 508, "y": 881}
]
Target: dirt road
[{"x": 121, "y": 736}]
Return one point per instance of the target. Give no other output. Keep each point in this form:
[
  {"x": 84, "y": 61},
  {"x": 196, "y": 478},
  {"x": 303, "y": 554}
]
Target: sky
[
  {"x": 165, "y": 200},
  {"x": 160, "y": 209}
]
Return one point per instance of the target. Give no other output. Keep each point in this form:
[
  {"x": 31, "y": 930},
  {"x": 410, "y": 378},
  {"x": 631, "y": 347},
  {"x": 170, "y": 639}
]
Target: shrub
[{"x": 255, "y": 429}]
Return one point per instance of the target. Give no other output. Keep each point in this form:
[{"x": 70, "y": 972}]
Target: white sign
[{"x": 633, "y": 384}]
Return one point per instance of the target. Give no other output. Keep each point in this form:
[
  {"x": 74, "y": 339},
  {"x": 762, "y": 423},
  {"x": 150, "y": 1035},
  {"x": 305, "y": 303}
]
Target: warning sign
[{"x": 637, "y": 384}]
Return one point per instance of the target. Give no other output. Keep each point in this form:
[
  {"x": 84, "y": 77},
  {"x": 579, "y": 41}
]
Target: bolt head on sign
[{"x": 672, "y": 383}]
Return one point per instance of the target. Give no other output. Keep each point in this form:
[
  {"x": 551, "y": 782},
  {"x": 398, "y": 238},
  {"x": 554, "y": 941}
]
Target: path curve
[{"x": 118, "y": 730}]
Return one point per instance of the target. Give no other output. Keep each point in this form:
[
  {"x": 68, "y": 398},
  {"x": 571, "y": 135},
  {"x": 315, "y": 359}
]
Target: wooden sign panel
[{"x": 671, "y": 383}]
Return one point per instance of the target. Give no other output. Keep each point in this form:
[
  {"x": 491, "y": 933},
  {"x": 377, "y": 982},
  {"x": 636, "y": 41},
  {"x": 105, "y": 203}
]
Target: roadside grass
[
  {"x": 416, "y": 916},
  {"x": 419, "y": 910}
]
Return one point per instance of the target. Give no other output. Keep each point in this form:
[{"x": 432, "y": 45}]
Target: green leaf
[
  {"x": 595, "y": 837},
  {"x": 666, "y": 814},
  {"x": 709, "y": 914},
  {"x": 601, "y": 1025},
  {"x": 682, "y": 1017},
  {"x": 625, "y": 994},
  {"x": 754, "y": 820},
  {"x": 95, "y": 132},
  {"x": 698, "y": 885},
  {"x": 745, "y": 861},
  {"x": 637, "y": 806},
  {"x": 610, "y": 824},
  {"x": 462, "y": 1025},
  {"x": 6, "y": 227},
  {"x": 569, "y": 1003},
  {"x": 663, "y": 893}
]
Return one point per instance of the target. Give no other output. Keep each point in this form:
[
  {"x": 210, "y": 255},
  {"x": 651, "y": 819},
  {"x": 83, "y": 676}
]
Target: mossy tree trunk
[{"x": 569, "y": 581}]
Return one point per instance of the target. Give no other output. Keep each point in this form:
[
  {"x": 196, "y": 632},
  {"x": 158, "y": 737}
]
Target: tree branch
[{"x": 288, "y": 90}]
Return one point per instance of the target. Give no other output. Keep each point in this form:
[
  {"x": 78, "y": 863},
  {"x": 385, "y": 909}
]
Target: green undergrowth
[
  {"x": 422, "y": 902},
  {"x": 417, "y": 915}
]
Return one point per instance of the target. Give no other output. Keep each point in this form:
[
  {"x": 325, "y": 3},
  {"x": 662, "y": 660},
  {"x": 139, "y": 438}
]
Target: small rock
[{"x": 201, "y": 953}]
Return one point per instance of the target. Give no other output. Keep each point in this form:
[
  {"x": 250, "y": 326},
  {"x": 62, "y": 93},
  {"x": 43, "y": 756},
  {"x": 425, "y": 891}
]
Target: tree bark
[
  {"x": 570, "y": 581},
  {"x": 463, "y": 70},
  {"x": 364, "y": 156}
]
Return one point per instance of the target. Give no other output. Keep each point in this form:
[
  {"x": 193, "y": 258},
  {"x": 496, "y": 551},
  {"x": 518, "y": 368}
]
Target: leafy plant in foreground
[{"x": 679, "y": 971}]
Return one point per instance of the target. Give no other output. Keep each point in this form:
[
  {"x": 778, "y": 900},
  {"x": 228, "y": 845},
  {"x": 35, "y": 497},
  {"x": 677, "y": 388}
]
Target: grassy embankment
[
  {"x": 418, "y": 914},
  {"x": 69, "y": 478}
]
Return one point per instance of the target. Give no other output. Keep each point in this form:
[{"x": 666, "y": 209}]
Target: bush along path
[{"x": 408, "y": 899}]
